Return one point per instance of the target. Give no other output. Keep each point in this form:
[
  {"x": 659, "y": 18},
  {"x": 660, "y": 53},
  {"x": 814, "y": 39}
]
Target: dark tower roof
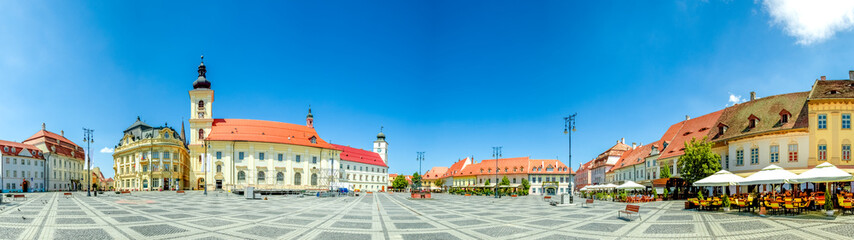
[{"x": 202, "y": 82}]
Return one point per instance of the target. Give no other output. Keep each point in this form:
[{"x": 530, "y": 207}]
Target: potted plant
[
  {"x": 700, "y": 195},
  {"x": 828, "y": 203},
  {"x": 725, "y": 202},
  {"x": 665, "y": 194}
]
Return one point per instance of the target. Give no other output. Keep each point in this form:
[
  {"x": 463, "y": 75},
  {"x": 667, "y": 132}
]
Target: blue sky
[{"x": 450, "y": 78}]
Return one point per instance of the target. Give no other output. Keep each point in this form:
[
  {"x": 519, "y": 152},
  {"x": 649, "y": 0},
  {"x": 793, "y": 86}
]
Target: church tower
[
  {"x": 201, "y": 120},
  {"x": 381, "y": 146},
  {"x": 309, "y": 119}
]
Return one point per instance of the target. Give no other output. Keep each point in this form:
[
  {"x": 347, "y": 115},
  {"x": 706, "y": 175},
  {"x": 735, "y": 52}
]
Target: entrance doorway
[
  {"x": 219, "y": 184},
  {"x": 166, "y": 184},
  {"x": 25, "y": 186}
]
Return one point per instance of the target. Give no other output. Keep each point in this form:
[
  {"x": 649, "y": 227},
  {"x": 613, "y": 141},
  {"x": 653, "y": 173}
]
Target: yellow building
[
  {"x": 831, "y": 104},
  {"x": 151, "y": 158}
]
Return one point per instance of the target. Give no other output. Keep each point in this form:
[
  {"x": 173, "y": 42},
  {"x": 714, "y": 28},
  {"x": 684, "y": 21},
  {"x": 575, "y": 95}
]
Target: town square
[{"x": 426, "y": 120}]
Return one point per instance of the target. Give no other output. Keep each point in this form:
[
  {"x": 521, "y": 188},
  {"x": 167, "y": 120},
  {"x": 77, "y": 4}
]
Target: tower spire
[
  {"x": 202, "y": 81},
  {"x": 309, "y": 119}
]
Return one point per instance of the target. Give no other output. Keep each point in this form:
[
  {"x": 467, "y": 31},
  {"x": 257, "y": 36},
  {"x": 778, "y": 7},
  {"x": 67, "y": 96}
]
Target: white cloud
[
  {"x": 811, "y": 21},
  {"x": 733, "y": 100},
  {"x": 107, "y": 150}
]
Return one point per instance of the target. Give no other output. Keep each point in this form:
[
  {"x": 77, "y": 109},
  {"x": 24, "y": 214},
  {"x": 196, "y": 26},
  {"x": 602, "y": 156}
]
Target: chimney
[
  {"x": 634, "y": 145},
  {"x": 687, "y": 117},
  {"x": 42, "y": 126},
  {"x": 752, "y": 96},
  {"x": 62, "y": 133},
  {"x": 851, "y": 75},
  {"x": 825, "y": 78},
  {"x": 623, "y": 140}
]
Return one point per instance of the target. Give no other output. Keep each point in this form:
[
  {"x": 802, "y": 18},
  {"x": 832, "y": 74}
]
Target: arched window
[
  {"x": 201, "y": 134},
  {"x": 241, "y": 176},
  {"x": 314, "y": 179},
  {"x": 145, "y": 183},
  {"x": 297, "y": 179},
  {"x": 280, "y": 177},
  {"x": 260, "y": 176},
  {"x": 219, "y": 168},
  {"x": 201, "y": 104}
]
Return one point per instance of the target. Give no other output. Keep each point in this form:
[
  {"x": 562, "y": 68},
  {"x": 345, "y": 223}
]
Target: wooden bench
[
  {"x": 630, "y": 209},
  {"x": 67, "y": 195},
  {"x": 547, "y": 198},
  {"x": 125, "y": 192},
  {"x": 15, "y": 197},
  {"x": 587, "y": 203},
  {"x": 180, "y": 191}
]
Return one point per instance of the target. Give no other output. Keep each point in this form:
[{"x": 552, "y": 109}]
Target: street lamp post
[
  {"x": 88, "y": 139},
  {"x": 496, "y": 153},
  {"x": 568, "y": 128},
  {"x": 205, "y": 170},
  {"x": 420, "y": 158}
]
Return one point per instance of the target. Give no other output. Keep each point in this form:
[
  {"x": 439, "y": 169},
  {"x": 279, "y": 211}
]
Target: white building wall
[
  {"x": 15, "y": 169},
  {"x": 764, "y": 143}
]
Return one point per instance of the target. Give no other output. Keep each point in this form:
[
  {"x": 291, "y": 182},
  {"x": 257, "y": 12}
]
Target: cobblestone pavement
[{"x": 167, "y": 215}]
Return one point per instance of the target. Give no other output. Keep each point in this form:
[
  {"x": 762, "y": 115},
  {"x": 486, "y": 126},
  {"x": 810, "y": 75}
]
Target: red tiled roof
[
  {"x": 65, "y": 147},
  {"x": 15, "y": 148},
  {"x": 264, "y": 131},
  {"x": 693, "y": 128},
  {"x": 435, "y": 172},
  {"x": 632, "y": 157},
  {"x": 456, "y": 168},
  {"x": 359, "y": 155},
  {"x": 544, "y": 163},
  {"x": 521, "y": 165}
]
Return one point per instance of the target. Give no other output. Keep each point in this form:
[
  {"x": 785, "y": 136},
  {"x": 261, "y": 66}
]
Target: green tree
[
  {"x": 665, "y": 171},
  {"x": 525, "y": 186},
  {"x": 416, "y": 180},
  {"x": 439, "y": 182},
  {"x": 504, "y": 181},
  {"x": 487, "y": 182},
  {"x": 399, "y": 182},
  {"x": 699, "y": 161}
]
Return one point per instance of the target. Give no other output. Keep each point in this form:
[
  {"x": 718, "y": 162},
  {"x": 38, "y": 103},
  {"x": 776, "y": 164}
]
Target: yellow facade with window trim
[
  {"x": 156, "y": 160},
  {"x": 830, "y": 137}
]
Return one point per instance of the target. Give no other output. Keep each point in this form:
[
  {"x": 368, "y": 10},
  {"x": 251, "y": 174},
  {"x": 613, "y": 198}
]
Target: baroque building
[
  {"x": 65, "y": 165},
  {"x": 150, "y": 159},
  {"x": 232, "y": 154}
]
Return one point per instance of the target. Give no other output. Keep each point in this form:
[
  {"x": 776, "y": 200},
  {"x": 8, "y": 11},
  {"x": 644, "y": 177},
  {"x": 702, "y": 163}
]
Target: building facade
[
  {"x": 151, "y": 159},
  {"x": 22, "y": 167},
  {"x": 65, "y": 164}
]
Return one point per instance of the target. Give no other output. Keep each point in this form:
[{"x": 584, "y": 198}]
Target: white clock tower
[
  {"x": 201, "y": 122},
  {"x": 381, "y": 146}
]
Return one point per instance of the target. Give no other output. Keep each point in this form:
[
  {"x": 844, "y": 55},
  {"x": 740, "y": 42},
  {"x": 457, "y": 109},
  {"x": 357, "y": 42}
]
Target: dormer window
[
  {"x": 313, "y": 139},
  {"x": 784, "y": 116},
  {"x": 752, "y": 121},
  {"x": 722, "y": 128}
]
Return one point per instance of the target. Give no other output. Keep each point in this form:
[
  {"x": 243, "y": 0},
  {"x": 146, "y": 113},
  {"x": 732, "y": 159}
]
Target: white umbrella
[
  {"x": 772, "y": 174},
  {"x": 584, "y": 189},
  {"x": 824, "y": 172},
  {"x": 630, "y": 185},
  {"x": 720, "y": 178},
  {"x": 609, "y": 186}
]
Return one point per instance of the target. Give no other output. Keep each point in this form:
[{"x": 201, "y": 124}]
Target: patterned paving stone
[
  {"x": 404, "y": 217},
  {"x": 16, "y": 219},
  {"x": 10, "y": 232},
  {"x": 342, "y": 236},
  {"x": 779, "y": 237},
  {"x": 115, "y": 212},
  {"x": 563, "y": 237},
  {"x": 89, "y": 234},
  {"x": 357, "y": 217},
  {"x": 467, "y": 222},
  {"x": 502, "y": 231},
  {"x": 429, "y": 236},
  {"x": 670, "y": 229},
  {"x": 157, "y": 230},
  {"x": 676, "y": 218},
  {"x": 177, "y": 216},
  {"x": 601, "y": 227},
  {"x": 265, "y": 231},
  {"x": 213, "y": 222},
  {"x": 74, "y": 221},
  {"x": 447, "y": 216},
  {"x": 354, "y": 225},
  {"x": 417, "y": 225},
  {"x": 312, "y": 215},
  {"x": 578, "y": 216},
  {"x": 744, "y": 226},
  {"x": 128, "y": 219},
  {"x": 296, "y": 221},
  {"x": 844, "y": 230},
  {"x": 547, "y": 222}
]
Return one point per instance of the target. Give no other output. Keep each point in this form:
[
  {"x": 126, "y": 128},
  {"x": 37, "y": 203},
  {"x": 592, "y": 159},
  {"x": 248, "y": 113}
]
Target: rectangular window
[
  {"x": 739, "y": 157},
  {"x": 754, "y": 156},
  {"x": 793, "y": 152},
  {"x": 166, "y": 155},
  {"x": 822, "y": 152},
  {"x": 155, "y": 155},
  {"x": 822, "y": 121},
  {"x": 846, "y": 152},
  {"x": 846, "y": 121},
  {"x": 297, "y": 158},
  {"x": 218, "y": 155},
  {"x": 240, "y": 156},
  {"x": 775, "y": 154},
  {"x": 314, "y": 160},
  {"x": 281, "y": 157},
  {"x": 727, "y": 161},
  {"x": 261, "y": 156}
]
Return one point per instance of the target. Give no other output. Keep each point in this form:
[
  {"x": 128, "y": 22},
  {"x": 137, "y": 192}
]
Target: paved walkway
[{"x": 167, "y": 215}]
